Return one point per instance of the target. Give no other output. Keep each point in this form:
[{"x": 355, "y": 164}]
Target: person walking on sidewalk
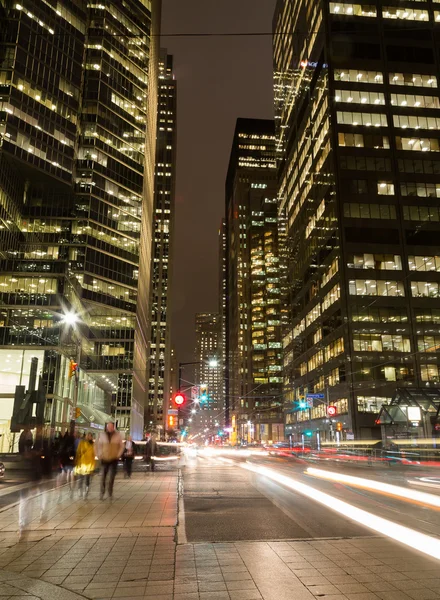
[
  {"x": 85, "y": 462},
  {"x": 110, "y": 449},
  {"x": 67, "y": 458},
  {"x": 130, "y": 451}
]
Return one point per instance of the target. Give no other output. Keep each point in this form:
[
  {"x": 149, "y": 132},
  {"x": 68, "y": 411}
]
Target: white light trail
[
  {"x": 404, "y": 535},
  {"x": 426, "y": 482},
  {"x": 377, "y": 486}
]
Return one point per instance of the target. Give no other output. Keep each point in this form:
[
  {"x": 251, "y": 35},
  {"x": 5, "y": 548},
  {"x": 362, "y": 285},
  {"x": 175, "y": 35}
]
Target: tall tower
[
  {"x": 357, "y": 114},
  {"x": 161, "y": 260},
  {"x": 76, "y": 195},
  {"x": 253, "y": 287},
  {"x": 222, "y": 307},
  {"x": 208, "y": 374}
]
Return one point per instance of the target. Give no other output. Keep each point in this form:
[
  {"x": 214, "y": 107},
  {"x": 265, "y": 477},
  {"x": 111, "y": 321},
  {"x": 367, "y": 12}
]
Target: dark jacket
[{"x": 127, "y": 453}]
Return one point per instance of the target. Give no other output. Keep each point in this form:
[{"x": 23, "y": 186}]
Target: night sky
[{"x": 219, "y": 80}]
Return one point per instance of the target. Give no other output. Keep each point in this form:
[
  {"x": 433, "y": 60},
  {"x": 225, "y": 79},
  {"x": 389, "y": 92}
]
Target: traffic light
[
  {"x": 171, "y": 420},
  {"x": 339, "y": 426},
  {"x": 203, "y": 393},
  {"x": 179, "y": 399},
  {"x": 73, "y": 368},
  {"x": 302, "y": 404},
  {"x": 77, "y": 412}
]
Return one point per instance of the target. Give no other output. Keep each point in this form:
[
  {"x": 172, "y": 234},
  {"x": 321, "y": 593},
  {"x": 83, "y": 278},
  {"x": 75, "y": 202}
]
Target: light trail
[
  {"x": 426, "y": 482},
  {"x": 378, "y": 486},
  {"x": 409, "y": 537}
]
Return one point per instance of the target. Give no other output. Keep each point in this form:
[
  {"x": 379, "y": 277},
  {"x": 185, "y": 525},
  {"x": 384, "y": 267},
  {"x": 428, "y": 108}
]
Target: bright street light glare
[
  {"x": 213, "y": 362},
  {"x": 70, "y": 318}
]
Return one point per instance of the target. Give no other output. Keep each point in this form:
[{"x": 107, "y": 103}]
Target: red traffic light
[
  {"x": 179, "y": 399},
  {"x": 331, "y": 411}
]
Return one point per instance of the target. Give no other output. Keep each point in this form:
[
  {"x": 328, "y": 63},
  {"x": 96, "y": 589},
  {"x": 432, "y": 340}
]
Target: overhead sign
[{"x": 315, "y": 396}]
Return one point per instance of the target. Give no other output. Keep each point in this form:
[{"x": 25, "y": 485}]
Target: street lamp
[
  {"x": 71, "y": 319},
  {"x": 213, "y": 363}
]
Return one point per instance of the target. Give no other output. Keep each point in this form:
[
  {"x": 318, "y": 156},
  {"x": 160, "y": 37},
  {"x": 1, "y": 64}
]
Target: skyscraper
[
  {"x": 357, "y": 109},
  {"x": 208, "y": 374},
  {"x": 163, "y": 223},
  {"x": 77, "y": 127},
  {"x": 253, "y": 286},
  {"x": 222, "y": 307}
]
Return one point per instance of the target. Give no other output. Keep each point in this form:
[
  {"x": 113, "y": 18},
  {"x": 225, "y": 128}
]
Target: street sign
[
  {"x": 331, "y": 411},
  {"x": 195, "y": 392},
  {"x": 315, "y": 396},
  {"x": 309, "y": 402}
]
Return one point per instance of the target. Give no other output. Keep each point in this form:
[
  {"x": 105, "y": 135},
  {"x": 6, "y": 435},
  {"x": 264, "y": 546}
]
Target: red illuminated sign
[
  {"x": 179, "y": 399},
  {"x": 331, "y": 411}
]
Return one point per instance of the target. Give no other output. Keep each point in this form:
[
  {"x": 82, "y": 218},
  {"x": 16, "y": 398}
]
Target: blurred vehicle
[
  {"x": 2, "y": 471},
  {"x": 286, "y": 449},
  {"x": 166, "y": 455}
]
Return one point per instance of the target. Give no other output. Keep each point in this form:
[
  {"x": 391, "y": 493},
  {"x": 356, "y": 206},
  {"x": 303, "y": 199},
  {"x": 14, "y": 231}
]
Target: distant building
[
  {"x": 161, "y": 259},
  {"x": 358, "y": 117},
  {"x": 253, "y": 287},
  {"x": 208, "y": 375},
  {"x": 77, "y": 139},
  {"x": 222, "y": 307}
]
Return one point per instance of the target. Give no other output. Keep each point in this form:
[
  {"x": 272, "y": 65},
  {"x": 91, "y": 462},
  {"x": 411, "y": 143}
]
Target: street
[{"x": 216, "y": 529}]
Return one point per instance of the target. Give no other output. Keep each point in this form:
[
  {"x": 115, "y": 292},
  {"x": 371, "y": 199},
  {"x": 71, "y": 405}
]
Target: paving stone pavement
[{"x": 74, "y": 549}]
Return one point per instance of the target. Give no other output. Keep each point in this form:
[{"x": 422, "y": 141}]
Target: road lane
[{"x": 222, "y": 502}]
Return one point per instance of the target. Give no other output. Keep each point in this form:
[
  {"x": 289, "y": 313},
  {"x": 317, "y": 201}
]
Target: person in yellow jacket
[{"x": 85, "y": 462}]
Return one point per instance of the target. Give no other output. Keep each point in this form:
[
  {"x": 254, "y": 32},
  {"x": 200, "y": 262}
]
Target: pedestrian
[
  {"x": 110, "y": 449},
  {"x": 26, "y": 441},
  {"x": 67, "y": 458},
  {"x": 130, "y": 451},
  {"x": 150, "y": 450},
  {"x": 85, "y": 463}
]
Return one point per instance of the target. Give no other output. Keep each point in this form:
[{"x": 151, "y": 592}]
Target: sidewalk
[
  {"x": 101, "y": 551},
  {"x": 123, "y": 549}
]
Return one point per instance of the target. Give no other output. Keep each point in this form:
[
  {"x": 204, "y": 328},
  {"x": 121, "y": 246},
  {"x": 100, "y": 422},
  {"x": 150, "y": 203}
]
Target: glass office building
[
  {"x": 163, "y": 232},
  {"x": 77, "y": 93},
  {"x": 209, "y": 416},
  {"x": 253, "y": 287},
  {"x": 357, "y": 109}
]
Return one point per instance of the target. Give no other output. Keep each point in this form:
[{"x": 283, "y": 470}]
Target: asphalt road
[{"x": 224, "y": 502}]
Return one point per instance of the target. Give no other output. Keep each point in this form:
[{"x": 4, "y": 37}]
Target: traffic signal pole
[{"x": 75, "y": 389}]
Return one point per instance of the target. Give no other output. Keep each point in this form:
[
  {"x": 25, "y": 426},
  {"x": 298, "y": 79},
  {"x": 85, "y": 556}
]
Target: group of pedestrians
[
  {"x": 74, "y": 456},
  {"x": 78, "y": 459}
]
